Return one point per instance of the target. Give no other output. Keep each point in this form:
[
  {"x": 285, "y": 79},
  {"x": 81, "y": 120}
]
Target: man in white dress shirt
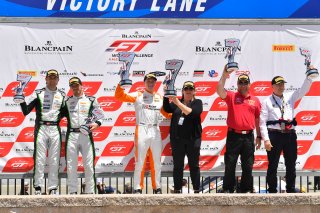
[{"x": 277, "y": 124}]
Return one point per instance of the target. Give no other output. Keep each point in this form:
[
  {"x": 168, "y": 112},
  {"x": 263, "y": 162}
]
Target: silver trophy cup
[
  {"x": 97, "y": 114},
  {"x": 23, "y": 80},
  {"x": 174, "y": 67},
  {"x": 311, "y": 73},
  {"x": 232, "y": 45},
  {"x": 127, "y": 59}
]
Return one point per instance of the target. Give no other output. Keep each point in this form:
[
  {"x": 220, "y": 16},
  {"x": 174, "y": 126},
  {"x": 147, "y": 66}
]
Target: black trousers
[
  {"x": 286, "y": 142},
  {"x": 181, "y": 148},
  {"x": 243, "y": 145}
]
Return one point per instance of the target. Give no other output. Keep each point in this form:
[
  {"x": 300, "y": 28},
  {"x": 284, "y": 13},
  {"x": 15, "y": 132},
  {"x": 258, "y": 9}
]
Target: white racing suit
[
  {"x": 77, "y": 110},
  {"x": 47, "y": 134},
  {"x": 147, "y": 133}
]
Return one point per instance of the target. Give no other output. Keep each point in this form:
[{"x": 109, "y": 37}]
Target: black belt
[
  {"x": 285, "y": 131},
  {"x": 287, "y": 123},
  {"x": 48, "y": 123},
  {"x": 242, "y": 132},
  {"x": 74, "y": 130}
]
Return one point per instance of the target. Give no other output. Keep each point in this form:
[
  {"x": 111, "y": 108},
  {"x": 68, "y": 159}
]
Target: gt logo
[
  {"x": 260, "y": 89},
  {"x": 202, "y": 89},
  {"x": 7, "y": 120},
  {"x": 222, "y": 104},
  {"x": 18, "y": 165},
  {"x": 129, "y": 45},
  {"x": 28, "y": 135},
  {"x": 128, "y": 119},
  {"x": 307, "y": 118},
  {"x": 260, "y": 163},
  {"x": 96, "y": 134},
  {"x": 213, "y": 132},
  {"x": 202, "y": 162},
  {"x": 117, "y": 148},
  {"x": 107, "y": 104}
]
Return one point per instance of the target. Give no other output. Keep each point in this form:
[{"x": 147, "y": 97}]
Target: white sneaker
[{"x": 37, "y": 192}]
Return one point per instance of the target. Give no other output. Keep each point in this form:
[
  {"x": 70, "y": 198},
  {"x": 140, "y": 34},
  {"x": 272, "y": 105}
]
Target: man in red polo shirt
[{"x": 243, "y": 118}]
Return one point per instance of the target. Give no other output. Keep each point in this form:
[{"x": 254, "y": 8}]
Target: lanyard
[{"x": 282, "y": 107}]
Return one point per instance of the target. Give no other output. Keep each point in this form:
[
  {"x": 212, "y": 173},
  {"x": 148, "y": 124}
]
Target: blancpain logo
[
  {"x": 136, "y": 35},
  {"x": 48, "y": 48},
  {"x": 217, "y": 49}
]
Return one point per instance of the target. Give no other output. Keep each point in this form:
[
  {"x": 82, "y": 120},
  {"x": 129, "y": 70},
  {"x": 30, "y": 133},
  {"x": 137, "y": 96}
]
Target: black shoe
[
  {"x": 73, "y": 193},
  {"x": 137, "y": 191},
  {"x": 196, "y": 191},
  {"x": 53, "y": 192},
  {"x": 177, "y": 191},
  {"x": 157, "y": 191},
  {"x": 227, "y": 191}
]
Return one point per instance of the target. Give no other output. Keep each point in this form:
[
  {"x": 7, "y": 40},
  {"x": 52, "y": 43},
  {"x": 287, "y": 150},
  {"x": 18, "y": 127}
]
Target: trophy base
[
  {"x": 233, "y": 66},
  {"x": 125, "y": 83},
  {"x": 312, "y": 73},
  {"x": 170, "y": 93},
  {"x": 85, "y": 130},
  {"x": 18, "y": 99}
]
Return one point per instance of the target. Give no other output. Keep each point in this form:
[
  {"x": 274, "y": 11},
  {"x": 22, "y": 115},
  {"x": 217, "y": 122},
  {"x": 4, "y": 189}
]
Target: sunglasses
[
  {"x": 243, "y": 83},
  {"x": 188, "y": 88}
]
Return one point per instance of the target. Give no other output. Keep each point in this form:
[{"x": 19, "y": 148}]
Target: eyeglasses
[
  {"x": 243, "y": 83},
  {"x": 188, "y": 88}
]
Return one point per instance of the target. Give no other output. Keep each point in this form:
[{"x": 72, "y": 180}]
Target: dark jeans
[
  {"x": 243, "y": 145},
  {"x": 286, "y": 142},
  {"x": 181, "y": 148}
]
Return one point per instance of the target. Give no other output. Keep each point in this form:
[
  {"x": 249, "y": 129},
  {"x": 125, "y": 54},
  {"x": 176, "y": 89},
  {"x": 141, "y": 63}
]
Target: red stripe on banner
[
  {"x": 28, "y": 90},
  {"x": 315, "y": 89},
  {"x": 118, "y": 148},
  {"x": 139, "y": 86},
  {"x": 214, "y": 133},
  {"x": 205, "y": 163},
  {"x": 219, "y": 105},
  {"x": 308, "y": 118},
  {"x": 26, "y": 135},
  {"x": 101, "y": 133},
  {"x": 167, "y": 151},
  {"x": 303, "y": 146},
  {"x": 205, "y": 88},
  {"x": 11, "y": 119},
  {"x": 260, "y": 162},
  {"x": 19, "y": 164},
  {"x": 126, "y": 119},
  {"x": 312, "y": 162},
  {"x": 261, "y": 88},
  {"x": 109, "y": 103},
  {"x": 5, "y": 148}
]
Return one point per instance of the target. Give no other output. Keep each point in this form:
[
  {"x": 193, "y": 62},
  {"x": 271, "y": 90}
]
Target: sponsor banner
[
  {"x": 160, "y": 9},
  {"x": 91, "y": 53}
]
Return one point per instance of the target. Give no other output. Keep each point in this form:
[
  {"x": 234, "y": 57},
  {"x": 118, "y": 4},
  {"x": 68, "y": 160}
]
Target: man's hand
[
  {"x": 268, "y": 145},
  {"x": 258, "y": 142},
  {"x": 93, "y": 126}
]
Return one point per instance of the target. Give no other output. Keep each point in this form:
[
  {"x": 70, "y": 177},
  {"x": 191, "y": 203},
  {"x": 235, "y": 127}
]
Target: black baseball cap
[
  {"x": 52, "y": 72},
  {"x": 278, "y": 80},
  {"x": 244, "y": 78},
  {"x": 74, "y": 80},
  {"x": 150, "y": 75},
  {"x": 188, "y": 84}
]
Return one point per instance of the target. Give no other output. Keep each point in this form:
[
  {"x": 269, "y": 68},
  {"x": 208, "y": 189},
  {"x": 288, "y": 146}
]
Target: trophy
[
  {"x": 97, "y": 114},
  {"x": 127, "y": 59},
  {"x": 311, "y": 73},
  {"x": 232, "y": 44},
  {"x": 174, "y": 66},
  {"x": 23, "y": 81}
]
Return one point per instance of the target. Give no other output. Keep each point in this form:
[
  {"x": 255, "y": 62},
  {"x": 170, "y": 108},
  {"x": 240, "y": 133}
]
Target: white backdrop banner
[{"x": 90, "y": 52}]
